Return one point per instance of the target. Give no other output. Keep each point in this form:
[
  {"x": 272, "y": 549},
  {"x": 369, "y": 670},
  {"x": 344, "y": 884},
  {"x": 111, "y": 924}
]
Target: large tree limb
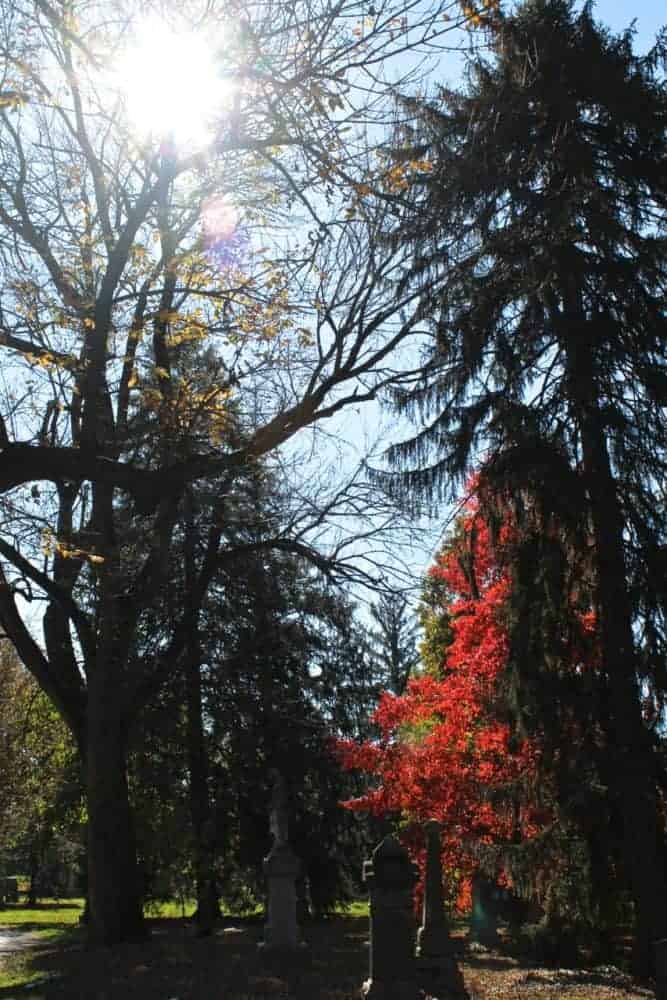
[{"x": 67, "y": 694}]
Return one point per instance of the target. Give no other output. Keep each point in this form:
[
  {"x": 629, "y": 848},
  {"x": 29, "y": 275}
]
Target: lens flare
[
  {"x": 172, "y": 83},
  {"x": 225, "y": 240}
]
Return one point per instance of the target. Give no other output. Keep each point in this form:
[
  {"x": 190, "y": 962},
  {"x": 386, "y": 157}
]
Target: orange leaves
[{"x": 480, "y": 16}]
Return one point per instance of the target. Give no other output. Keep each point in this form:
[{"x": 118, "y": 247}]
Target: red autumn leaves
[{"x": 445, "y": 750}]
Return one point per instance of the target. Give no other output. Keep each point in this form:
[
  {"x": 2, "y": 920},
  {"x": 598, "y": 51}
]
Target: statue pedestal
[
  {"x": 281, "y": 932},
  {"x": 437, "y": 968}
]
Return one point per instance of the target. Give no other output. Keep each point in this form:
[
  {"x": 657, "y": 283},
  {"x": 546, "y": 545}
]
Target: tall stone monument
[
  {"x": 281, "y": 867},
  {"x": 438, "y": 972},
  {"x": 390, "y": 877}
]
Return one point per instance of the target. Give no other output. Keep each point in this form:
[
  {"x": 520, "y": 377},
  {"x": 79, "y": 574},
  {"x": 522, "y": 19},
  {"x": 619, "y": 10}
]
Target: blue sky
[{"x": 650, "y": 16}]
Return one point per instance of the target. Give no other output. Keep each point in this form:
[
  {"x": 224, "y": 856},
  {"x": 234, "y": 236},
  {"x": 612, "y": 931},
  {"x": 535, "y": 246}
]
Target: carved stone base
[{"x": 441, "y": 977}]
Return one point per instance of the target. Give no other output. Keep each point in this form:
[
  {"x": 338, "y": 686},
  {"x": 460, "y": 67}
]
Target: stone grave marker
[
  {"x": 438, "y": 971},
  {"x": 390, "y": 877}
]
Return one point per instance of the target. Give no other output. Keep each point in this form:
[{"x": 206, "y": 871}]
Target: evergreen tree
[
  {"x": 538, "y": 227},
  {"x": 394, "y": 640}
]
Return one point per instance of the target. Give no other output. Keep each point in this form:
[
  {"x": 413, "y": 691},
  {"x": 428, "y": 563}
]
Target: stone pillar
[
  {"x": 390, "y": 877},
  {"x": 281, "y": 867},
  {"x": 439, "y": 974},
  {"x": 660, "y": 950}
]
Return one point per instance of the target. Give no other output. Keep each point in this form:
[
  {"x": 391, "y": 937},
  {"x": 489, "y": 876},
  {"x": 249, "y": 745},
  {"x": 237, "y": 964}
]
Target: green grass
[
  {"x": 15, "y": 970},
  {"x": 50, "y": 922},
  {"x": 66, "y": 912},
  {"x": 49, "y": 913},
  {"x": 358, "y": 908},
  {"x": 171, "y": 908}
]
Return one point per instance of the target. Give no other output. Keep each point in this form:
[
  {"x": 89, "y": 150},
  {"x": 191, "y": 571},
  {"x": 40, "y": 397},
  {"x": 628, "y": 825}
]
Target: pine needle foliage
[{"x": 540, "y": 250}]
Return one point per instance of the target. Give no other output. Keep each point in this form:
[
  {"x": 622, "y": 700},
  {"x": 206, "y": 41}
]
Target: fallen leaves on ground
[{"x": 176, "y": 965}]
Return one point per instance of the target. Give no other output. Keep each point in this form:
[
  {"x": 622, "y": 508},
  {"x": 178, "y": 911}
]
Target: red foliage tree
[{"x": 446, "y": 748}]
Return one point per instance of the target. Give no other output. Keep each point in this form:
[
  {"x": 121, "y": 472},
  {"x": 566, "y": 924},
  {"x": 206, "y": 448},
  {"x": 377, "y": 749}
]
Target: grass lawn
[
  {"x": 48, "y": 914},
  {"x": 174, "y": 965}
]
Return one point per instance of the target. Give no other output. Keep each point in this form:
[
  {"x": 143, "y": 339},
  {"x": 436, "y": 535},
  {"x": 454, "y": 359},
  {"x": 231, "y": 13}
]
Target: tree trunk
[
  {"x": 114, "y": 888},
  {"x": 208, "y": 906},
  {"x": 34, "y": 874},
  {"x": 633, "y": 767}
]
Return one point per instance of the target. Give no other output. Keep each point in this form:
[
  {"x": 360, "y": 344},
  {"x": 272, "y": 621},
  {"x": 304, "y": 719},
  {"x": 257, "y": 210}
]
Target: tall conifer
[{"x": 539, "y": 235}]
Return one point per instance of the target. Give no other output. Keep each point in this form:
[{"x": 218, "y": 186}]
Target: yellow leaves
[
  {"x": 190, "y": 328},
  {"x": 71, "y": 22},
  {"x": 52, "y": 545},
  {"x": 12, "y": 99},
  {"x": 476, "y": 18},
  {"x": 151, "y": 398},
  {"x": 305, "y": 337},
  {"x": 420, "y": 166},
  {"x": 263, "y": 321},
  {"x": 47, "y": 360},
  {"x": 193, "y": 409},
  {"x": 400, "y": 176},
  {"x": 89, "y": 324},
  {"x": 188, "y": 333},
  {"x": 397, "y": 179},
  {"x": 168, "y": 315},
  {"x": 140, "y": 258}
]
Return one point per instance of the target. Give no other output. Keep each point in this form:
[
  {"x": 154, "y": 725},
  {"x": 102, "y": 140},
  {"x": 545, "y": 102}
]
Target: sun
[{"x": 172, "y": 83}]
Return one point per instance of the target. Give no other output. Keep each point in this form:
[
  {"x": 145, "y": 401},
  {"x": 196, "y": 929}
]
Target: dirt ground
[{"x": 174, "y": 965}]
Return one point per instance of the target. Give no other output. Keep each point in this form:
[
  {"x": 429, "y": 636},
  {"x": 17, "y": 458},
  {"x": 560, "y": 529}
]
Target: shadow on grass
[
  {"x": 26, "y": 966},
  {"x": 175, "y": 963},
  {"x": 31, "y": 926}
]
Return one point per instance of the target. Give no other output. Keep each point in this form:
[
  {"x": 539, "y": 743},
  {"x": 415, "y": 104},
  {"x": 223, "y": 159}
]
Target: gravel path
[{"x": 13, "y": 940}]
